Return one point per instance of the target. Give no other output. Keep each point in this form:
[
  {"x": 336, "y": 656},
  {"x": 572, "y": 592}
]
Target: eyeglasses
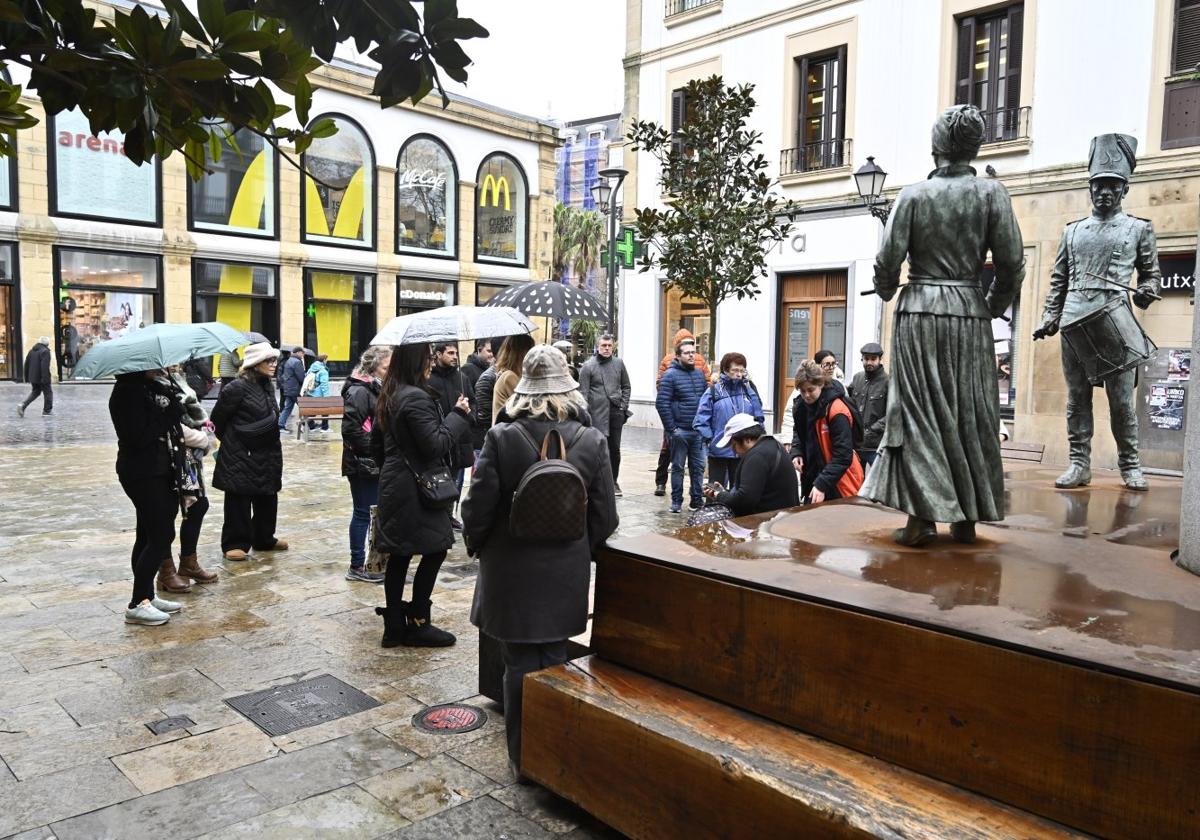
[{"x": 829, "y": 365}]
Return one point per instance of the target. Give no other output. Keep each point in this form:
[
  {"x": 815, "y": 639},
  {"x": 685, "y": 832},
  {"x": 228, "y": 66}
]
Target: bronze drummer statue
[{"x": 1102, "y": 342}]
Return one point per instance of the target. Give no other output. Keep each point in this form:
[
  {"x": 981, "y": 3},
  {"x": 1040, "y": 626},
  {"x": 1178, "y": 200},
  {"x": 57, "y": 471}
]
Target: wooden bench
[
  {"x": 316, "y": 408},
  {"x": 1014, "y": 450}
]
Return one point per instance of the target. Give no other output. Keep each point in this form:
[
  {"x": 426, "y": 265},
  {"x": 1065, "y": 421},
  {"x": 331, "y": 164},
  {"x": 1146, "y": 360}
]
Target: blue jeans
[
  {"x": 286, "y": 411},
  {"x": 687, "y": 445},
  {"x": 364, "y": 492}
]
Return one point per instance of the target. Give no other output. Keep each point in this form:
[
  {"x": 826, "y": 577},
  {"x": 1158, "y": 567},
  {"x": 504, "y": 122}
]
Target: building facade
[
  {"x": 404, "y": 208},
  {"x": 837, "y": 81}
]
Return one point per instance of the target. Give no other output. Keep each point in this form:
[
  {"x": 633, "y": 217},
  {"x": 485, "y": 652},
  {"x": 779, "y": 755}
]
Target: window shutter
[
  {"x": 678, "y": 117},
  {"x": 966, "y": 61},
  {"x": 843, "y": 83},
  {"x": 1016, "y": 37},
  {"x": 802, "y": 107},
  {"x": 1186, "y": 52}
]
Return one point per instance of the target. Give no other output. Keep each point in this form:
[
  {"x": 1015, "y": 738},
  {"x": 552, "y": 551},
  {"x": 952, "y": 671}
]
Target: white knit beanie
[{"x": 256, "y": 354}]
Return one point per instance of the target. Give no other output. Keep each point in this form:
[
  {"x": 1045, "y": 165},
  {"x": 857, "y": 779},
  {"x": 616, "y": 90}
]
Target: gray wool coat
[
  {"x": 604, "y": 383},
  {"x": 533, "y": 592}
]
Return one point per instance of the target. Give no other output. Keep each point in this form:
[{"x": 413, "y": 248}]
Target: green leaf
[
  {"x": 214, "y": 146},
  {"x": 212, "y": 15},
  {"x": 324, "y": 127},
  {"x": 459, "y": 29},
  {"x": 244, "y": 42},
  {"x": 198, "y": 69},
  {"x": 180, "y": 12},
  {"x": 303, "y": 96}
]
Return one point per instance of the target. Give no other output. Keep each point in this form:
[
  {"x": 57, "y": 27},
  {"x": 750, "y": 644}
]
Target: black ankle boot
[
  {"x": 963, "y": 532},
  {"x": 419, "y": 632},
  {"x": 916, "y": 532},
  {"x": 393, "y": 624}
]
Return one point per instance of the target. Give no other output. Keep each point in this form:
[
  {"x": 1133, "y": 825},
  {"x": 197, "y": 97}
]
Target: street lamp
[
  {"x": 605, "y": 193},
  {"x": 869, "y": 179}
]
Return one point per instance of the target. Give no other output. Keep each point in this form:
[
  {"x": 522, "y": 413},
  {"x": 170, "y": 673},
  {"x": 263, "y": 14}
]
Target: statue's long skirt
[{"x": 940, "y": 454}]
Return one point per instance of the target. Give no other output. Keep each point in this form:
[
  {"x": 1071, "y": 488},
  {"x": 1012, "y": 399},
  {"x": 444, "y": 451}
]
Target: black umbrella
[{"x": 551, "y": 299}]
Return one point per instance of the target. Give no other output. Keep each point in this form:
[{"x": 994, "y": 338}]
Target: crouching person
[
  {"x": 535, "y": 524},
  {"x": 763, "y": 479}
]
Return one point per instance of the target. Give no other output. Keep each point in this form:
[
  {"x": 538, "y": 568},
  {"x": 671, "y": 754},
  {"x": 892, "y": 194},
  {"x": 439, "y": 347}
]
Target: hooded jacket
[
  {"x": 320, "y": 379},
  {"x": 834, "y": 413},
  {"x": 679, "y": 393},
  {"x": 723, "y": 399},
  {"x": 670, "y": 357},
  {"x": 37, "y": 365},
  {"x": 359, "y": 395},
  {"x": 604, "y": 383},
  {"x": 483, "y": 406}
]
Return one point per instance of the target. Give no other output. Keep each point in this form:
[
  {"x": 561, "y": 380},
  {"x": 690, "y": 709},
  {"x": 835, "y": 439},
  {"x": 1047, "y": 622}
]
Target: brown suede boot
[
  {"x": 169, "y": 580},
  {"x": 189, "y": 567}
]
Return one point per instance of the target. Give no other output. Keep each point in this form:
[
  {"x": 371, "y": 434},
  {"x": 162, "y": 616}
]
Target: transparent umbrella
[{"x": 454, "y": 323}]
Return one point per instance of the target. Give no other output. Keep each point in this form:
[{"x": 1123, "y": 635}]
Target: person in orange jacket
[{"x": 664, "y": 453}]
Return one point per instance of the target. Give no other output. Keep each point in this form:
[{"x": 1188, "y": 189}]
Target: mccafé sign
[
  {"x": 493, "y": 186},
  {"x": 428, "y": 179}
]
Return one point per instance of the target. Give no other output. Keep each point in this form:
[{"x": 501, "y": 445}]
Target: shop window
[
  {"x": 238, "y": 294},
  {"x": 102, "y": 295},
  {"x": 414, "y": 295},
  {"x": 339, "y": 316},
  {"x": 988, "y": 74},
  {"x": 426, "y": 199},
  {"x": 338, "y": 204},
  {"x": 486, "y": 291},
  {"x": 687, "y": 313},
  {"x": 90, "y": 177},
  {"x": 8, "y": 178},
  {"x": 238, "y": 194},
  {"x": 10, "y": 315},
  {"x": 501, "y": 208}
]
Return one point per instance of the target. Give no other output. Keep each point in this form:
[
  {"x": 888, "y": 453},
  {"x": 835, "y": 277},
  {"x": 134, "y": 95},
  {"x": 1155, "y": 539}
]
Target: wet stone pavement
[{"x": 78, "y": 686}]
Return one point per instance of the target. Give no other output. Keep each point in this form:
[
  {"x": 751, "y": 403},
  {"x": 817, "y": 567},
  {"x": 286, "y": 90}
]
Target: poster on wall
[
  {"x": 1179, "y": 365},
  {"x": 1167, "y": 405},
  {"x": 92, "y": 176}
]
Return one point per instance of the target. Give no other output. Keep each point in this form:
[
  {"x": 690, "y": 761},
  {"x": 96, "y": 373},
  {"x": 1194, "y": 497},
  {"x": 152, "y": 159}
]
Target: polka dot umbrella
[{"x": 550, "y": 299}]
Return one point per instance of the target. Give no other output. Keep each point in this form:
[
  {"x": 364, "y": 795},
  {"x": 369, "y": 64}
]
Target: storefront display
[
  {"x": 10, "y": 346},
  {"x": 501, "y": 208},
  {"x": 238, "y": 294},
  {"x": 237, "y": 195},
  {"x": 426, "y": 204},
  {"x": 414, "y": 295},
  {"x": 339, "y": 203},
  {"x": 339, "y": 316},
  {"x": 91, "y": 178},
  {"x": 102, "y": 295}
]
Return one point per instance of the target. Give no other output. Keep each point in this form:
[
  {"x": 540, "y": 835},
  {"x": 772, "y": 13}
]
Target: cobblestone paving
[{"x": 77, "y": 685}]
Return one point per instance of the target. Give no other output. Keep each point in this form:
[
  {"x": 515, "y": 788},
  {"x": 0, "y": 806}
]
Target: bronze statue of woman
[{"x": 940, "y": 454}]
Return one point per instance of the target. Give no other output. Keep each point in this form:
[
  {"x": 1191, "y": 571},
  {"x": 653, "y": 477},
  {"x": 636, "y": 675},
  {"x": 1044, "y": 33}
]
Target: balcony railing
[
  {"x": 1006, "y": 124},
  {"x": 813, "y": 157},
  {"x": 678, "y": 7}
]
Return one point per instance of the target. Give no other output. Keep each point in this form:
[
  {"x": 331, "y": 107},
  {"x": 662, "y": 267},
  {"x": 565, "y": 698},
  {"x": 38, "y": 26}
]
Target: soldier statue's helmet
[{"x": 1112, "y": 156}]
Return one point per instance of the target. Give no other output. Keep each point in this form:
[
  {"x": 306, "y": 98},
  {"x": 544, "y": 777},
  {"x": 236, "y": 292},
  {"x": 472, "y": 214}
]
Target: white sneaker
[
  {"x": 163, "y": 605},
  {"x": 146, "y": 614}
]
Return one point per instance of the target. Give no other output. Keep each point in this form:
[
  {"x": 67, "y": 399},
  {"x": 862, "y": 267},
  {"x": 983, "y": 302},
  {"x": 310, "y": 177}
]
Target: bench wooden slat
[{"x": 1016, "y": 450}]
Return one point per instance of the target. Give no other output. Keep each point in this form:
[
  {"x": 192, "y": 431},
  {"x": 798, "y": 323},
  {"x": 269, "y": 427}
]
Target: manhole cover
[
  {"x": 286, "y": 708},
  {"x": 160, "y": 727},
  {"x": 450, "y": 719}
]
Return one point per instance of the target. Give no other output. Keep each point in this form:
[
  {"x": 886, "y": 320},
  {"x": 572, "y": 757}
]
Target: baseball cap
[{"x": 735, "y": 424}]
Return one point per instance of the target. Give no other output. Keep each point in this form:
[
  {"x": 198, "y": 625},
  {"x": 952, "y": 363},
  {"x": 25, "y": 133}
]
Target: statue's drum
[{"x": 1108, "y": 341}]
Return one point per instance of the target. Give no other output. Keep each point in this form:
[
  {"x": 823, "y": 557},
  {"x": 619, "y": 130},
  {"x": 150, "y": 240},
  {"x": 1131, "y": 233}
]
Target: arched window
[
  {"x": 426, "y": 198},
  {"x": 338, "y": 205},
  {"x": 501, "y": 211},
  {"x": 237, "y": 194}
]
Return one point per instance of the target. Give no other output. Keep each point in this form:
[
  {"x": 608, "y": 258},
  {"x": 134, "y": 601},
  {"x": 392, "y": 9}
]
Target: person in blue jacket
[
  {"x": 679, "y": 393},
  {"x": 731, "y": 394},
  {"x": 320, "y": 388}
]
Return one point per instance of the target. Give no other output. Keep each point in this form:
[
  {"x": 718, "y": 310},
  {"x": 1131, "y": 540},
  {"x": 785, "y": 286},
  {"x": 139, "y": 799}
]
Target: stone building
[
  {"x": 837, "y": 81},
  {"x": 411, "y": 207}
]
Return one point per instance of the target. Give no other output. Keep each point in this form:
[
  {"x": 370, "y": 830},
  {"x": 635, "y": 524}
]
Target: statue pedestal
[{"x": 787, "y": 663}]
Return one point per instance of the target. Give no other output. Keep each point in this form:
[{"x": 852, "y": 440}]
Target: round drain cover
[{"x": 450, "y": 718}]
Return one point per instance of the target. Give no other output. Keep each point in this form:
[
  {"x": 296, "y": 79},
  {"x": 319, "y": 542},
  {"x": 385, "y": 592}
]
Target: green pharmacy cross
[
  {"x": 628, "y": 249},
  {"x": 312, "y": 311}
]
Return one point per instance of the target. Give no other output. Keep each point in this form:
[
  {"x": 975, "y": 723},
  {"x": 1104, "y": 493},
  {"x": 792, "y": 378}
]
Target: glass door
[
  {"x": 8, "y": 334},
  {"x": 798, "y": 346}
]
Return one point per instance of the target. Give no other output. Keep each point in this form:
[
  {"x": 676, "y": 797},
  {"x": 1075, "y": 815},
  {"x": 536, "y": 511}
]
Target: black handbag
[
  {"x": 436, "y": 488},
  {"x": 258, "y": 432}
]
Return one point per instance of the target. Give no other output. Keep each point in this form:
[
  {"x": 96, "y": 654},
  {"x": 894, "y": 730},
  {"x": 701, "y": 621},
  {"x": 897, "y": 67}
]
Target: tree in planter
[
  {"x": 712, "y": 238},
  {"x": 165, "y": 92}
]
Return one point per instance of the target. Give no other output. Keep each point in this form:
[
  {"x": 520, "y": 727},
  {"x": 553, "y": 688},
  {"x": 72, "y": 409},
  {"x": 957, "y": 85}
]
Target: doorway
[{"x": 812, "y": 316}]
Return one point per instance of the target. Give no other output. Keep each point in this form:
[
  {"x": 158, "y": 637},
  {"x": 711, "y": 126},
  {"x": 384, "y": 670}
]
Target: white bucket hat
[
  {"x": 735, "y": 424},
  {"x": 545, "y": 371},
  {"x": 256, "y": 354}
]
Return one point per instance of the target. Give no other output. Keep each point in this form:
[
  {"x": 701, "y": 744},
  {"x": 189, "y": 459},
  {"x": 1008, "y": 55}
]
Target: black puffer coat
[
  {"x": 414, "y": 430},
  {"x": 243, "y": 467},
  {"x": 534, "y": 591},
  {"x": 359, "y": 396},
  {"x": 483, "y": 405},
  {"x": 447, "y": 384}
]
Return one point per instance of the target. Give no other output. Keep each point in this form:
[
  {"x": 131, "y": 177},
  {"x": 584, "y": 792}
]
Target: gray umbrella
[
  {"x": 454, "y": 323},
  {"x": 256, "y": 337},
  {"x": 551, "y": 299}
]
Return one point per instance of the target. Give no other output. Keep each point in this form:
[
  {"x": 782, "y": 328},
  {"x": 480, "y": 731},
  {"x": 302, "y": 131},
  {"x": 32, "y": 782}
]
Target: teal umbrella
[{"x": 157, "y": 346}]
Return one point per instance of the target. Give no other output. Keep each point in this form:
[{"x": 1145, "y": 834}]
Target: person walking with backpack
[
  {"x": 291, "y": 383},
  {"x": 540, "y": 505},
  {"x": 731, "y": 394},
  {"x": 830, "y": 468},
  {"x": 679, "y": 393},
  {"x": 316, "y": 384},
  {"x": 360, "y": 393},
  {"x": 604, "y": 383},
  {"x": 37, "y": 374},
  {"x": 413, "y": 444}
]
